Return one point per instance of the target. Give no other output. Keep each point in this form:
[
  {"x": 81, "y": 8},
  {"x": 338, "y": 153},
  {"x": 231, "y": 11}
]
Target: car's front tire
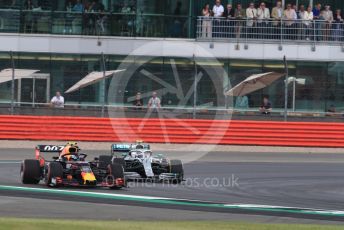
[
  {"x": 54, "y": 170},
  {"x": 176, "y": 167},
  {"x": 116, "y": 173}
]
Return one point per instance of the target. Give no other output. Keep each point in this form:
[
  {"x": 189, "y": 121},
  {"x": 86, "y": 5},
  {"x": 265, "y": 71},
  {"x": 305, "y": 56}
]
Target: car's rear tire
[
  {"x": 176, "y": 166},
  {"x": 116, "y": 172},
  {"x": 104, "y": 161},
  {"x": 30, "y": 172},
  {"x": 54, "y": 170}
]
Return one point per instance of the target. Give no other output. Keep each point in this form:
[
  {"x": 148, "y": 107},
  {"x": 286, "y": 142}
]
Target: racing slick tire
[
  {"x": 176, "y": 166},
  {"x": 118, "y": 160},
  {"x": 30, "y": 172},
  {"x": 54, "y": 170},
  {"x": 116, "y": 172},
  {"x": 104, "y": 161}
]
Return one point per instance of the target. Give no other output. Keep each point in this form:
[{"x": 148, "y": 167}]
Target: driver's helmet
[
  {"x": 70, "y": 152},
  {"x": 133, "y": 154}
]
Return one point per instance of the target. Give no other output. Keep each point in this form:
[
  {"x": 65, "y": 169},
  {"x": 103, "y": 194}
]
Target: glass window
[
  {"x": 177, "y": 7},
  {"x": 311, "y": 85},
  {"x": 335, "y": 86}
]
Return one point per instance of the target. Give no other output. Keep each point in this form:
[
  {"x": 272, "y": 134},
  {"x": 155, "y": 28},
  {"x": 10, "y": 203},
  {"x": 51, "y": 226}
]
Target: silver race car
[{"x": 140, "y": 163}]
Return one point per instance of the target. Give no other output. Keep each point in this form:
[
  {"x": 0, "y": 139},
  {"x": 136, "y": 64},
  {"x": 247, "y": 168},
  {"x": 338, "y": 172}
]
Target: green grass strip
[{"x": 44, "y": 224}]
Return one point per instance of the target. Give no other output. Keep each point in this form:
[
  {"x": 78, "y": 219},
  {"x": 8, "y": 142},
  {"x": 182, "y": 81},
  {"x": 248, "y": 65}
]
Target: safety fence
[
  {"x": 307, "y": 134},
  {"x": 269, "y": 30}
]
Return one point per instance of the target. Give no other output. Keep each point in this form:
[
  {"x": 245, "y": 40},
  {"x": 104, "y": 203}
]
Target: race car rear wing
[
  {"x": 46, "y": 149},
  {"x": 50, "y": 148},
  {"x": 124, "y": 148}
]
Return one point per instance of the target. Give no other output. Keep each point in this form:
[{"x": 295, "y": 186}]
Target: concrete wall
[{"x": 167, "y": 47}]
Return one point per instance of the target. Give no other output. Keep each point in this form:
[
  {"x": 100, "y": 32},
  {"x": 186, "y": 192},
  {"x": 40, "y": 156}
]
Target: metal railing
[
  {"x": 125, "y": 110},
  {"x": 311, "y": 31}
]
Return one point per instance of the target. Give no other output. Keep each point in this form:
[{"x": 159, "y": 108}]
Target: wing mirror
[
  {"x": 55, "y": 158},
  {"x": 96, "y": 158}
]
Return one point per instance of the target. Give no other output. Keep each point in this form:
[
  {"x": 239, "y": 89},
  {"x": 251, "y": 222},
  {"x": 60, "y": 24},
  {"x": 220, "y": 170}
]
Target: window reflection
[{"x": 321, "y": 90}]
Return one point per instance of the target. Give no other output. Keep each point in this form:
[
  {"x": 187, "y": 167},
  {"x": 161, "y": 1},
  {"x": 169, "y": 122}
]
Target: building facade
[{"x": 159, "y": 40}]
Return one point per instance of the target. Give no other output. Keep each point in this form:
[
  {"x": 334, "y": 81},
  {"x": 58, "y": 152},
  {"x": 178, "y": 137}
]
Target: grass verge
[{"x": 37, "y": 224}]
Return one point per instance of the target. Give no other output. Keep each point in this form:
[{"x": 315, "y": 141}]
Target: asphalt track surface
[{"x": 301, "y": 180}]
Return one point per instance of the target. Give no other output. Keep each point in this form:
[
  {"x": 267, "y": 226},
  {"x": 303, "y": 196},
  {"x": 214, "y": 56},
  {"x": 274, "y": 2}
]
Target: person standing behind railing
[
  {"x": 68, "y": 18},
  {"x": 277, "y": 14},
  {"x": 229, "y": 26},
  {"x": 321, "y": 23},
  {"x": 154, "y": 103},
  {"x": 300, "y": 23},
  {"x": 338, "y": 26},
  {"x": 78, "y": 9},
  {"x": 218, "y": 11},
  {"x": 316, "y": 15},
  {"x": 28, "y": 18},
  {"x": 307, "y": 18},
  {"x": 57, "y": 101},
  {"x": 239, "y": 15},
  {"x": 206, "y": 22},
  {"x": 289, "y": 16},
  {"x": 251, "y": 15},
  {"x": 263, "y": 17},
  {"x": 328, "y": 17}
]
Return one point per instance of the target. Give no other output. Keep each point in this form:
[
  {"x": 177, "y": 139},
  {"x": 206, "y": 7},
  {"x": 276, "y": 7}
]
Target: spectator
[
  {"x": 154, "y": 103},
  {"x": 218, "y": 11},
  {"x": 95, "y": 20},
  {"x": 241, "y": 102},
  {"x": 239, "y": 12},
  {"x": 29, "y": 20},
  {"x": 239, "y": 15},
  {"x": 316, "y": 16},
  {"x": 317, "y": 11},
  {"x": 263, "y": 16},
  {"x": 300, "y": 24},
  {"x": 126, "y": 9},
  {"x": 57, "y": 101},
  {"x": 229, "y": 25},
  {"x": 301, "y": 12},
  {"x": 69, "y": 6},
  {"x": 177, "y": 23},
  {"x": 229, "y": 12},
  {"x": 294, "y": 7},
  {"x": 328, "y": 17},
  {"x": 138, "y": 102},
  {"x": 307, "y": 17},
  {"x": 277, "y": 14},
  {"x": 206, "y": 22},
  {"x": 338, "y": 26},
  {"x": 78, "y": 7},
  {"x": 290, "y": 16},
  {"x": 28, "y": 5},
  {"x": 251, "y": 15},
  {"x": 265, "y": 108},
  {"x": 68, "y": 17}
]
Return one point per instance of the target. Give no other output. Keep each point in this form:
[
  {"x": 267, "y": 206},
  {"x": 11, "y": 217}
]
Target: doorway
[{"x": 35, "y": 90}]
